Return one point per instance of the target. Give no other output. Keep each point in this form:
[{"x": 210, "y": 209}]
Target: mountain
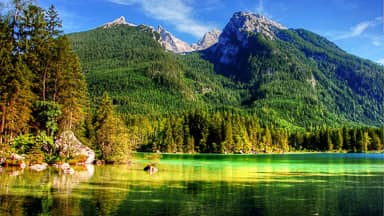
[
  {"x": 169, "y": 41},
  {"x": 287, "y": 77},
  {"x": 118, "y": 21},
  {"x": 209, "y": 39},
  {"x": 235, "y": 41},
  {"x": 172, "y": 43},
  {"x": 296, "y": 72}
]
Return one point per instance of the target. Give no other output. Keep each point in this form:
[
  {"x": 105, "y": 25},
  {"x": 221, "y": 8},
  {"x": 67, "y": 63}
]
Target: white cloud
[
  {"x": 359, "y": 29},
  {"x": 378, "y": 40},
  {"x": 260, "y": 7},
  {"x": 176, "y": 12},
  {"x": 380, "y": 61}
]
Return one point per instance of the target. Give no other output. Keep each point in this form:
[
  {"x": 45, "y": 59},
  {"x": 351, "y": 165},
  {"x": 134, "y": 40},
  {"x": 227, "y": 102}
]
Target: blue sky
[{"x": 354, "y": 25}]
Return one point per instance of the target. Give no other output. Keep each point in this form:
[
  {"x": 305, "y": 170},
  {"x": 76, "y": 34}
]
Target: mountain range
[
  {"x": 169, "y": 41},
  {"x": 288, "y": 77}
]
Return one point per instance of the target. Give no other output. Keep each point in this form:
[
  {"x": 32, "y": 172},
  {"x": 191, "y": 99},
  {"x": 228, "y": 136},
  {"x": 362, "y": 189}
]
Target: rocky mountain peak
[
  {"x": 235, "y": 36},
  {"x": 119, "y": 21},
  {"x": 249, "y": 22},
  {"x": 209, "y": 39},
  {"x": 172, "y": 43}
]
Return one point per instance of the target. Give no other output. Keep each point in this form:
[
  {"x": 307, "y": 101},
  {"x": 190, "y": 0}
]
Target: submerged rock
[
  {"x": 67, "y": 169},
  {"x": 38, "y": 167},
  {"x": 70, "y": 145}
]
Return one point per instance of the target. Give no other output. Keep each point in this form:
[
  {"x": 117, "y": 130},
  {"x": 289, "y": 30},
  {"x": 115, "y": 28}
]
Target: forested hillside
[
  {"x": 279, "y": 101},
  {"x": 143, "y": 78},
  {"x": 288, "y": 82},
  {"x": 304, "y": 78}
]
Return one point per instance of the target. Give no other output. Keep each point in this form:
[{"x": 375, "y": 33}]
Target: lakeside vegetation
[
  {"x": 43, "y": 91},
  {"x": 119, "y": 91}
]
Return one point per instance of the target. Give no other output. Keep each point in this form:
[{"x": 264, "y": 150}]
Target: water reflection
[
  {"x": 64, "y": 183},
  {"x": 197, "y": 185}
]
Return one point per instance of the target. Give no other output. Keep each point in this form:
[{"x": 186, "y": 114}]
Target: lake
[{"x": 286, "y": 184}]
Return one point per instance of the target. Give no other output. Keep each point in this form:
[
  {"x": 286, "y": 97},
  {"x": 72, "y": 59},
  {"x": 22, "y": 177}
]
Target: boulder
[{"x": 69, "y": 145}]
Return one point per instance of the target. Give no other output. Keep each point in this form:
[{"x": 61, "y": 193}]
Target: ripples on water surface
[{"x": 291, "y": 184}]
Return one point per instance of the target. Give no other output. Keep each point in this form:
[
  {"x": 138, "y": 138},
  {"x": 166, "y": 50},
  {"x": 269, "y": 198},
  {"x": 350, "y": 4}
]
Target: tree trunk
[
  {"x": 2, "y": 126},
  {"x": 44, "y": 83},
  {"x": 55, "y": 89}
]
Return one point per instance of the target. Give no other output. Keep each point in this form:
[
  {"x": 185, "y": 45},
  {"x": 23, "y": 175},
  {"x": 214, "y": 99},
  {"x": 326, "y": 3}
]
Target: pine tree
[
  {"x": 69, "y": 89},
  {"x": 6, "y": 70},
  {"x": 54, "y": 23},
  {"x": 228, "y": 138},
  {"x": 338, "y": 139},
  {"x": 15, "y": 86},
  {"x": 111, "y": 134},
  {"x": 267, "y": 140}
]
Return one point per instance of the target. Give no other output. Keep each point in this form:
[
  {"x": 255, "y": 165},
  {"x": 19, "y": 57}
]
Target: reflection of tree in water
[
  {"x": 192, "y": 188},
  {"x": 62, "y": 198},
  {"x": 40, "y": 193}
]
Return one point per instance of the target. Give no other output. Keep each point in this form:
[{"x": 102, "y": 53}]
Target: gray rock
[{"x": 69, "y": 145}]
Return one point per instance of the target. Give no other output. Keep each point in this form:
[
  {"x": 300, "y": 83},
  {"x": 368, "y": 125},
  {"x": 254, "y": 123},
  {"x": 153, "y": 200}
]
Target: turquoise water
[{"x": 290, "y": 184}]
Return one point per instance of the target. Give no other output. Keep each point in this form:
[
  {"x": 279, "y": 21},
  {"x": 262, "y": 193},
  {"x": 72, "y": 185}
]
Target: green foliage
[
  {"x": 47, "y": 145},
  {"x": 23, "y": 143},
  {"x": 112, "y": 135},
  {"x": 47, "y": 113},
  {"x": 231, "y": 131},
  {"x": 42, "y": 87}
]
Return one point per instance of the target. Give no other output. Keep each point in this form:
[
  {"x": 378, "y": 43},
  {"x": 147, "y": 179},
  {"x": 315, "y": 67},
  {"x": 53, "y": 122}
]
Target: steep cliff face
[
  {"x": 209, "y": 39},
  {"x": 237, "y": 37},
  {"x": 172, "y": 43}
]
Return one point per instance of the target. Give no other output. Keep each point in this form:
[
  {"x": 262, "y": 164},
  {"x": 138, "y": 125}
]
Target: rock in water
[
  {"x": 70, "y": 145},
  {"x": 151, "y": 168}
]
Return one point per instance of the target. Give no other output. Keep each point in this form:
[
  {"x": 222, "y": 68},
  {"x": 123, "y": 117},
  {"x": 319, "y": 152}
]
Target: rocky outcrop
[{"x": 69, "y": 145}]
